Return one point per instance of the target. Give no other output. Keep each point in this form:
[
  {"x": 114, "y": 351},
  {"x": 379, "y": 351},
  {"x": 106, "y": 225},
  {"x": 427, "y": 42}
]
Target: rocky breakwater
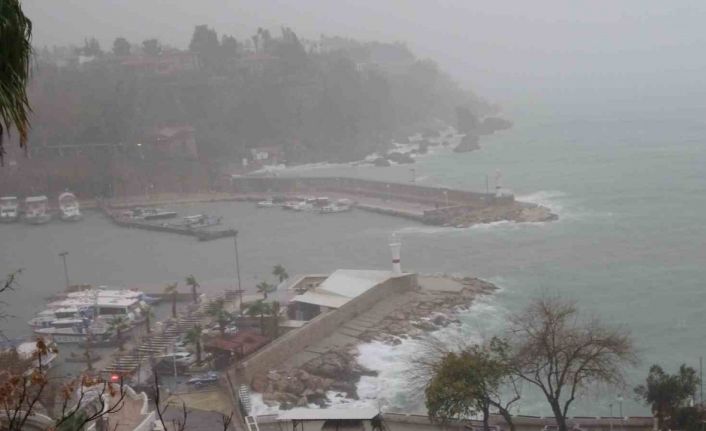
[
  {"x": 464, "y": 216},
  {"x": 421, "y": 312}
]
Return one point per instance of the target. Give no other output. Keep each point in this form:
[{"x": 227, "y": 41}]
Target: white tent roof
[
  {"x": 359, "y": 413},
  {"x": 342, "y": 286}
]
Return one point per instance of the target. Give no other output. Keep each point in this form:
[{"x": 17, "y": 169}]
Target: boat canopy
[
  {"x": 66, "y": 195},
  {"x": 8, "y": 198},
  {"x": 32, "y": 199}
]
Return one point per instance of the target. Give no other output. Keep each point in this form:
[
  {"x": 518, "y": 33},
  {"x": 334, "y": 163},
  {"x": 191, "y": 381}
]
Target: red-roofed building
[{"x": 235, "y": 346}]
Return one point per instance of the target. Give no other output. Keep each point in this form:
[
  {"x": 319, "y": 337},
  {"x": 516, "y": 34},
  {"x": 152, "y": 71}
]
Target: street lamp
[
  {"x": 63, "y": 255},
  {"x": 237, "y": 272},
  {"x": 620, "y": 404}
]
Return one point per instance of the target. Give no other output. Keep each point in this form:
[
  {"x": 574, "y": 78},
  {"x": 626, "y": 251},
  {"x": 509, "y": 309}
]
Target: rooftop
[{"x": 342, "y": 286}]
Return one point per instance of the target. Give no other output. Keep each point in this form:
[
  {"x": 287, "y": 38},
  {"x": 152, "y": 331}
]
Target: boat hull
[{"x": 72, "y": 217}]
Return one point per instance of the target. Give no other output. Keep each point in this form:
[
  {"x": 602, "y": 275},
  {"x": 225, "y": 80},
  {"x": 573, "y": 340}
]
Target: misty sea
[{"x": 630, "y": 243}]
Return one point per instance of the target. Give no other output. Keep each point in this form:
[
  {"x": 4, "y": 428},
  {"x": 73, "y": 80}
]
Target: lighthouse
[{"x": 395, "y": 247}]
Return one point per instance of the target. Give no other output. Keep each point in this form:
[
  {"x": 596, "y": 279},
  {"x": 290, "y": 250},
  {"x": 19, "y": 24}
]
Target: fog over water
[{"x": 608, "y": 101}]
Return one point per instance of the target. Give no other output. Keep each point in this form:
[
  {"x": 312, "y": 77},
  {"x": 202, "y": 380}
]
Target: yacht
[
  {"x": 27, "y": 351},
  {"x": 9, "y": 209},
  {"x": 36, "y": 210},
  {"x": 69, "y": 208},
  {"x": 88, "y": 313}
]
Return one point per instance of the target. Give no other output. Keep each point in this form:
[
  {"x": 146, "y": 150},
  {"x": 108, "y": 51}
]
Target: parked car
[{"x": 204, "y": 379}]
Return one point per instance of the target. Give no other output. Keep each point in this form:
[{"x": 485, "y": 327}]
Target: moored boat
[
  {"x": 36, "y": 210},
  {"x": 69, "y": 207},
  {"x": 88, "y": 313},
  {"x": 9, "y": 209}
]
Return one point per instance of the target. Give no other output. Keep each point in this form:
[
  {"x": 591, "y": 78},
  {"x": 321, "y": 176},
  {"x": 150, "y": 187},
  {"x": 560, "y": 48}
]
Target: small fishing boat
[
  {"x": 69, "y": 208},
  {"x": 201, "y": 220},
  {"x": 266, "y": 204},
  {"x": 36, "y": 210},
  {"x": 9, "y": 209}
]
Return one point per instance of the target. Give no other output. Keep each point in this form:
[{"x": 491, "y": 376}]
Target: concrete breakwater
[{"x": 429, "y": 205}]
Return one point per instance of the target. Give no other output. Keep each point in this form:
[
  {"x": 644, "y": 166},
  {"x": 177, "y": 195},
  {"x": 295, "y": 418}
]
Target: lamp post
[
  {"x": 63, "y": 255},
  {"x": 620, "y": 404},
  {"x": 237, "y": 273}
]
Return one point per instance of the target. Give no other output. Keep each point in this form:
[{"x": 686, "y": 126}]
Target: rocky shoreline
[{"x": 339, "y": 371}]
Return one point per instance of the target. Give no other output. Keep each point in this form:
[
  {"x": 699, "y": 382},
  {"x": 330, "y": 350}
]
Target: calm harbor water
[{"x": 629, "y": 245}]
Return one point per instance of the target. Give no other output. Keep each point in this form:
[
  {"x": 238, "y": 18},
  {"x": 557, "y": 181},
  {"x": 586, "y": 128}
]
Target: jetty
[{"x": 202, "y": 233}]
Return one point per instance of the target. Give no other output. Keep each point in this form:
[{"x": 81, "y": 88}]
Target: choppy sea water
[{"x": 629, "y": 246}]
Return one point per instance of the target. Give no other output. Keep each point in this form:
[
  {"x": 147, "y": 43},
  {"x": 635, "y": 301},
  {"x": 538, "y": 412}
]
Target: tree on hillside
[
  {"x": 172, "y": 290},
  {"x": 279, "y": 272},
  {"x": 276, "y": 311},
  {"x": 15, "y": 56},
  {"x": 556, "y": 350},
  {"x": 204, "y": 43},
  {"x": 193, "y": 284},
  {"x": 91, "y": 48},
  {"x": 471, "y": 381},
  {"x": 229, "y": 47},
  {"x": 668, "y": 393},
  {"x": 151, "y": 47},
  {"x": 121, "y": 47}
]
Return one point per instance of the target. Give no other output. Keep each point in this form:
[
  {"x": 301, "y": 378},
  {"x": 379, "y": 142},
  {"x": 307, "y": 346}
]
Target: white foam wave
[
  {"x": 551, "y": 199},
  {"x": 395, "y": 385}
]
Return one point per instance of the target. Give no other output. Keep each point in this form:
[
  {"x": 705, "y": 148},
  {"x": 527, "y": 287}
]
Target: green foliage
[
  {"x": 265, "y": 288},
  {"x": 279, "y": 272},
  {"x": 194, "y": 285},
  {"x": 193, "y": 336},
  {"x": 336, "y": 104},
  {"x": 151, "y": 47},
  {"x": 15, "y": 56},
  {"x": 668, "y": 393},
  {"x": 468, "y": 382},
  {"x": 121, "y": 47}
]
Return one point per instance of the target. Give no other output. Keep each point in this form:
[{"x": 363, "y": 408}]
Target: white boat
[
  {"x": 69, "y": 208},
  {"x": 266, "y": 204},
  {"x": 36, "y": 210},
  {"x": 149, "y": 214},
  {"x": 9, "y": 209},
  {"x": 88, "y": 312}
]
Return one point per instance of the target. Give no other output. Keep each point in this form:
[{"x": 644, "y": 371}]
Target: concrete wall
[
  {"x": 293, "y": 342},
  {"x": 415, "y": 422},
  {"x": 360, "y": 187}
]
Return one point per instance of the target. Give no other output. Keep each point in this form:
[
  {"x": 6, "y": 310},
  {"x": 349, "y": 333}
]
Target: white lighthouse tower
[{"x": 395, "y": 246}]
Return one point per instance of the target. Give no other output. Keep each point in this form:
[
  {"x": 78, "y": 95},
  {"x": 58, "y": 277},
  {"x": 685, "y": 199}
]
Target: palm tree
[
  {"x": 279, "y": 272},
  {"x": 15, "y": 57},
  {"x": 191, "y": 282},
  {"x": 193, "y": 336},
  {"x": 218, "y": 311},
  {"x": 172, "y": 289},
  {"x": 264, "y": 288},
  {"x": 149, "y": 314},
  {"x": 260, "y": 308},
  {"x": 119, "y": 325}
]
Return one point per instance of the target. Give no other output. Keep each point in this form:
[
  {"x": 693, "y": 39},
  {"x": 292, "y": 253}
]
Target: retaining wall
[{"x": 323, "y": 325}]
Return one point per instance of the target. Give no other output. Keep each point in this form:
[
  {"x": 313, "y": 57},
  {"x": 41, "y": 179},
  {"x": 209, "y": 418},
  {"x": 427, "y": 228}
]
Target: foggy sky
[{"x": 503, "y": 50}]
